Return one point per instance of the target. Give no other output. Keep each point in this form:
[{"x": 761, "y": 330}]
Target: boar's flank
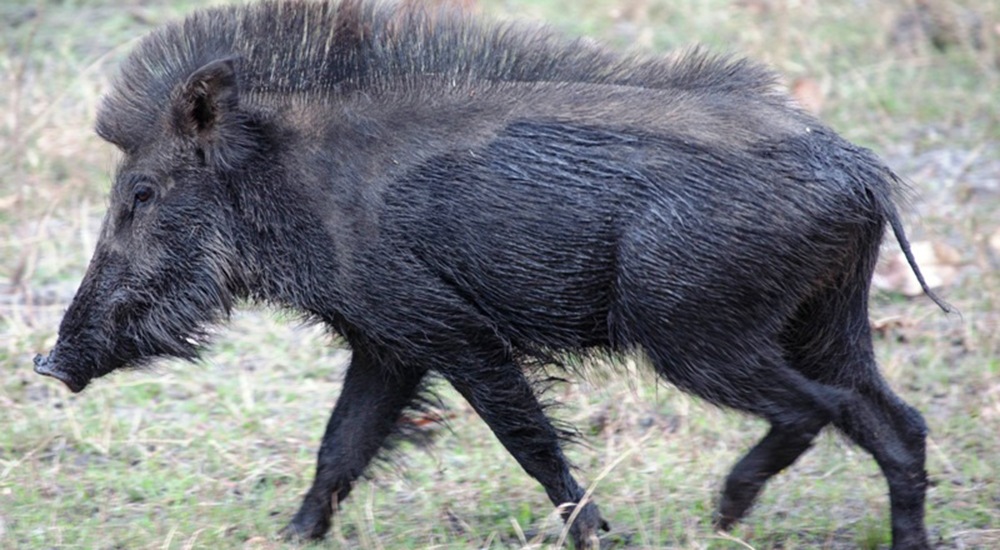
[{"x": 469, "y": 199}]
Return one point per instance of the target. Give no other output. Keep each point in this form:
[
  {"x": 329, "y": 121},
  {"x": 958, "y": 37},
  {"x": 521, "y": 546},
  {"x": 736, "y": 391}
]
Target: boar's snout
[{"x": 49, "y": 366}]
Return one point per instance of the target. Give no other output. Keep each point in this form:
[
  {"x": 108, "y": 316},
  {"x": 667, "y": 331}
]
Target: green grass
[{"x": 218, "y": 454}]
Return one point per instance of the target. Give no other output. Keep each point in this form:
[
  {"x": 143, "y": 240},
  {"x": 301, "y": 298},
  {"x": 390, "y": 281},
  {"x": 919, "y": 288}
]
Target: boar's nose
[{"x": 47, "y": 367}]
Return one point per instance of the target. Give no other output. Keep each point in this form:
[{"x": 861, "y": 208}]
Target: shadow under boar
[{"x": 470, "y": 199}]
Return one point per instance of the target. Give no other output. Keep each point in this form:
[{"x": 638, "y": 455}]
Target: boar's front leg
[
  {"x": 370, "y": 404},
  {"x": 504, "y": 399}
]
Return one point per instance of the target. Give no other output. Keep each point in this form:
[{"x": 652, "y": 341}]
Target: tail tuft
[{"x": 897, "y": 229}]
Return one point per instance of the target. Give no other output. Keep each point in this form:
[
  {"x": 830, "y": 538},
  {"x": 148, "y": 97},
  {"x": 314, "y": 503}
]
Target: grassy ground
[{"x": 217, "y": 455}]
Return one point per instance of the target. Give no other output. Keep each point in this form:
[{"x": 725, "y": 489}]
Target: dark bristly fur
[{"x": 464, "y": 199}]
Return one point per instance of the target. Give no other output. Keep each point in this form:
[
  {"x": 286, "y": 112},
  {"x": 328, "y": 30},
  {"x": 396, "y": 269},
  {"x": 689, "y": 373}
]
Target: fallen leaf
[
  {"x": 995, "y": 241},
  {"x": 636, "y": 11},
  {"x": 9, "y": 201},
  {"x": 882, "y": 327},
  {"x": 809, "y": 94},
  {"x": 946, "y": 255},
  {"x": 427, "y": 419}
]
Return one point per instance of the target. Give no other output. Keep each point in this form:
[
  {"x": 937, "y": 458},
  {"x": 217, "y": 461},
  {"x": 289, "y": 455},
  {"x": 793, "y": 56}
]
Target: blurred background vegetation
[{"x": 218, "y": 454}]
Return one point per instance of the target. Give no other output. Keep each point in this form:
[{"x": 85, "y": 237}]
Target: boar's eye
[{"x": 142, "y": 194}]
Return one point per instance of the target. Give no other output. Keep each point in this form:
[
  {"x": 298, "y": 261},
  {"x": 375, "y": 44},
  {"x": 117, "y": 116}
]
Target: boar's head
[{"x": 163, "y": 269}]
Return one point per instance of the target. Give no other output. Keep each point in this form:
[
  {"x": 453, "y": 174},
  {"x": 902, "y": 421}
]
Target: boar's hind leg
[
  {"x": 370, "y": 403},
  {"x": 832, "y": 343},
  {"x": 894, "y": 433},
  {"x": 782, "y": 446},
  {"x": 797, "y": 409},
  {"x": 505, "y": 400}
]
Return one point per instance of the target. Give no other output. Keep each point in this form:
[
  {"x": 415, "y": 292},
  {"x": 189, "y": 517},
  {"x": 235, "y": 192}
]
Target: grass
[{"x": 218, "y": 454}]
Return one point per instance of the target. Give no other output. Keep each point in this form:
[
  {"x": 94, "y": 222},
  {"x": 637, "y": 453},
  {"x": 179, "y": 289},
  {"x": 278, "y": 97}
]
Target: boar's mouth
[{"x": 47, "y": 366}]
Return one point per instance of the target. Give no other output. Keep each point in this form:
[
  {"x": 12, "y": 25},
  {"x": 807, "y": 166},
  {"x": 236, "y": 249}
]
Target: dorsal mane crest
[{"x": 299, "y": 46}]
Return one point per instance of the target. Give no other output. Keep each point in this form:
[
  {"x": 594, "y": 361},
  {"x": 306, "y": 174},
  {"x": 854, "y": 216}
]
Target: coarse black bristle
[{"x": 351, "y": 44}]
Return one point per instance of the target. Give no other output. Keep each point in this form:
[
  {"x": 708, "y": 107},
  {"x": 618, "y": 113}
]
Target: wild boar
[{"x": 470, "y": 199}]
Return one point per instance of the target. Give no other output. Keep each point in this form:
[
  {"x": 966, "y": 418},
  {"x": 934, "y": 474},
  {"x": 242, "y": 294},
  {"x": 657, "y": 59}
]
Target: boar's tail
[{"x": 892, "y": 215}]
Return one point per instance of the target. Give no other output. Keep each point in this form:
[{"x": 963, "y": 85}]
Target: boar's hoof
[
  {"x": 585, "y": 529},
  {"x": 737, "y": 499},
  {"x": 305, "y": 527},
  {"x": 728, "y": 515},
  {"x": 913, "y": 540}
]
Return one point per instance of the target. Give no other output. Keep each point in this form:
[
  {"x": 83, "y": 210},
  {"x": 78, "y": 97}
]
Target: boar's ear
[{"x": 206, "y": 110}]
